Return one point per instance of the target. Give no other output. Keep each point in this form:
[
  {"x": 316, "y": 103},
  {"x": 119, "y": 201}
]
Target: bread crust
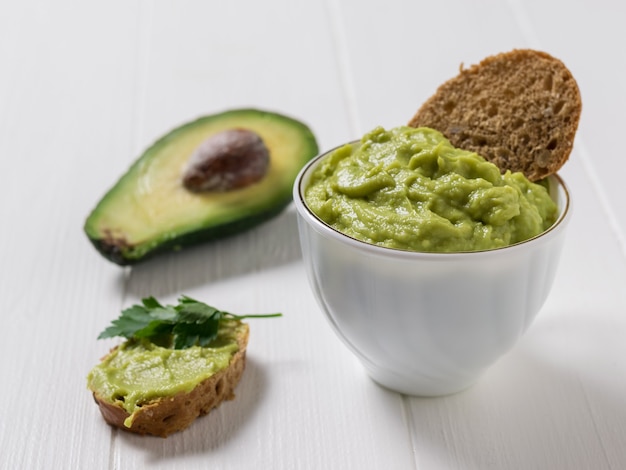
[
  {"x": 518, "y": 109},
  {"x": 167, "y": 415}
]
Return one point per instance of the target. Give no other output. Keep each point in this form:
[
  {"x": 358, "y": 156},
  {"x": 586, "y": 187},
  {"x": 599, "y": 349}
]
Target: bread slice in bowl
[{"x": 518, "y": 109}]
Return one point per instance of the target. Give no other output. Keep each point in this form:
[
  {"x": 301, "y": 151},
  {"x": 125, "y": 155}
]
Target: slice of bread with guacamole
[
  {"x": 519, "y": 109},
  {"x": 145, "y": 388}
]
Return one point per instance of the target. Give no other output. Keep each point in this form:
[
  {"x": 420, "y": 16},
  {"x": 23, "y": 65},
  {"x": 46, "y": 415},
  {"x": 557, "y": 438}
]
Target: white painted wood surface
[{"x": 85, "y": 86}]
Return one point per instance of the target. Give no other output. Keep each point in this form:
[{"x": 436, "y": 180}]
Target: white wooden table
[{"x": 86, "y": 86}]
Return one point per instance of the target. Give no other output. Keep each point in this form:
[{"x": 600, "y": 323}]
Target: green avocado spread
[
  {"x": 410, "y": 189},
  {"x": 139, "y": 371}
]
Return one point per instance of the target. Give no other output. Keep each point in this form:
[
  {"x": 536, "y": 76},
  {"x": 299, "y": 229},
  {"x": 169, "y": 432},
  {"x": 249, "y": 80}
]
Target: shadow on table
[
  {"x": 210, "y": 432},
  {"x": 531, "y": 410},
  {"x": 272, "y": 244}
]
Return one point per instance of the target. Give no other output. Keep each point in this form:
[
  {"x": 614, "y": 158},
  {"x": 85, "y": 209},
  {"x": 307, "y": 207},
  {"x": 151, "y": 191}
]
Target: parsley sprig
[{"x": 184, "y": 325}]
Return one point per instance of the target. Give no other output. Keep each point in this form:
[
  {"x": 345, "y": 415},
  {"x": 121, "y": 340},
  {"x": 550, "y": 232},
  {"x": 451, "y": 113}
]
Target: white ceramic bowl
[{"x": 427, "y": 323}]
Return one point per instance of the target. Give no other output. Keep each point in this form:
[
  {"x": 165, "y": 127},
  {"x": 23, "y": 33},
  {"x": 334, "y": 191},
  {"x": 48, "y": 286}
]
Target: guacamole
[
  {"x": 139, "y": 371},
  {"x": 410, "y": 189}
]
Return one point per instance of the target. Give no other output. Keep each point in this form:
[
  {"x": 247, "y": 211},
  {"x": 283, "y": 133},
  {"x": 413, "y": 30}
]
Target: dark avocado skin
[
  {"x": 118, "y": 256},
  {"x": 125, "y": 254}
]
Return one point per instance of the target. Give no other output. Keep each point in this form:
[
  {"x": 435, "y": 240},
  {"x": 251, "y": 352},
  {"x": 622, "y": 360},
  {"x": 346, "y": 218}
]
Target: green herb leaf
[
  {"x": 187, "y": 324},
  {"x": 151, "y": 302}
]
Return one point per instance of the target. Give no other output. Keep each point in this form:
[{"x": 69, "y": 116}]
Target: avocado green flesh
[
  {"x": 410, "y": 189},
  {"x": 149, "y": 210},
  {"x": 139, "y": 371}
]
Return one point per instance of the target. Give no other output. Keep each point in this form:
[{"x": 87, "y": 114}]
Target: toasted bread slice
[
  {"x": 167, "y": 415},
  {"x": 519, "y": 109}
]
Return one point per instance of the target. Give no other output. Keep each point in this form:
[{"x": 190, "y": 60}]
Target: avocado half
[{"x": 149, "y": 210}]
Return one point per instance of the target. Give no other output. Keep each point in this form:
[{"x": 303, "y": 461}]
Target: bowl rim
[{"x": 307, "y": 214}]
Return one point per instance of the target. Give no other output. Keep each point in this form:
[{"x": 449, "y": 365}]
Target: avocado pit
[{"x": 228, "y": 160}]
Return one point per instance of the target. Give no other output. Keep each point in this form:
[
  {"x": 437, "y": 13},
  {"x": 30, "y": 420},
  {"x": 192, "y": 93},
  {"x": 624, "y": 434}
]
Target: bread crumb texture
[{"x": 519, "y": 109}]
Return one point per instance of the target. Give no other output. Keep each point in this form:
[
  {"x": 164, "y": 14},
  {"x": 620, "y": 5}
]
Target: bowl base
[{"x": 416, "y": 385}]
